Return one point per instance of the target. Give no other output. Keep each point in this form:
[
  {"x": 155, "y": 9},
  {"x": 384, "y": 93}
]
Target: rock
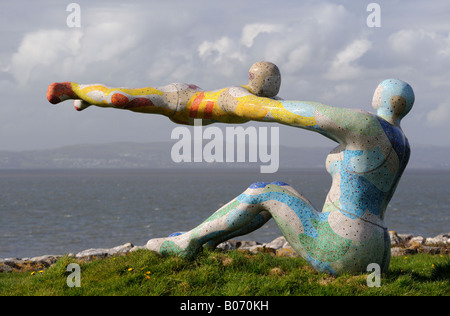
[
  {"x": 398, "y": 251},
  {"x": 5, "y": 268},
  {"x": 135, "y": 248},
  {"x": 440, "y": 240},
  {"x": 286, "y": 252},
  {"x": 121, "y": 249},
  {"x": 261, "y": 249},
  {"x": 417, "y": 240},
  {"x": 277, "y": 243},
  {"x": 395, "y": 239},
  {"x": 430, "y": 250},
  {"x": 91, "y": 253},
  {"x": 404, "y": 239},
  {"x": 228, "y": 245},
  {"x": 247, "y": 244},
  {"x": 419, "y": 244},
  {"x": 45, "y": 260},
  {"x": 103, "y": 253},
  {"x": 14, "y": 263},
  {"x": 279, "y": 247},
  {"x": 17, "y": 264},
  {"x": 237, "y": 244}
]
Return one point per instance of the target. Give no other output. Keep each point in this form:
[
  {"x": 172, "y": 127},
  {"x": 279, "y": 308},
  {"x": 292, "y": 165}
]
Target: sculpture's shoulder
[
  {"x": 350, "y": 127},
  {"x": 397, "y": 140}
]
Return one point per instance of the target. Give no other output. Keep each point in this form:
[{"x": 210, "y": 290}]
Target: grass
[{"x": 233, "y": 273}]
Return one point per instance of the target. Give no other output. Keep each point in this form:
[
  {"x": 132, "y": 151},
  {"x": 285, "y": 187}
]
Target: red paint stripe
[
  {"x": 208, "y": 110},
  {"x": 195, "y": 105}
]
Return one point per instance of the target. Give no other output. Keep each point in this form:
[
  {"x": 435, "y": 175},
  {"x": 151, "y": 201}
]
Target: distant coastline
[{"x": 128, "y": 155}]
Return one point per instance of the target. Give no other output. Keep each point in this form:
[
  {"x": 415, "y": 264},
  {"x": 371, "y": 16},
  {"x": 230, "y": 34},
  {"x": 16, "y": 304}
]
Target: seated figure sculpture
[{"x": 372, "y": 153}]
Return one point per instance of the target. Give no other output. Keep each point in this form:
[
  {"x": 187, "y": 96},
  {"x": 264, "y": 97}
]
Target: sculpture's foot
[
  {"x": 60, "y": 91},
  {"x": 175, "y": 246},
  {"x": 80, "y": 105}
]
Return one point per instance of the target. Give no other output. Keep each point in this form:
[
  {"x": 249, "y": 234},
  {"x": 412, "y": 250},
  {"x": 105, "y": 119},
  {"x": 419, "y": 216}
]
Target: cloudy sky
[{"x": 325, "y": 50}]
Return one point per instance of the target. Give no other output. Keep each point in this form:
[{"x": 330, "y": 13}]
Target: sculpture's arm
[
  {"x": 183, "y": 103},
  {"x": 307, "y": 115},
  {"x": 164, "y": 100},
  {"x": 343, "y": 125}
]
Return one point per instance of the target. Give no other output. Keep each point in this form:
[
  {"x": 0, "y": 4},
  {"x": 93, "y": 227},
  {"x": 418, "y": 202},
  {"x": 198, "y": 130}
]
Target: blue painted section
[{"x": 304, "y": 210}]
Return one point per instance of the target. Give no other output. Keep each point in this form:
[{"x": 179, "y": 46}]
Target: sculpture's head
[
  {"x": 264, "y": 79},
  {"x": 393, "y": 99}
]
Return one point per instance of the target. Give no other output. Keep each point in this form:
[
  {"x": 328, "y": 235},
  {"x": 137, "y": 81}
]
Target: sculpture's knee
[
  {"x": 261, "y": 185},
  {"x": 258, "y": 185},
  {"x": 280, "y": 183}
]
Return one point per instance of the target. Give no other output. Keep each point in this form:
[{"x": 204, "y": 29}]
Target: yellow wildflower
[
  {"x": 33, "y": 273},
  {"x": 130, "y": 269}
]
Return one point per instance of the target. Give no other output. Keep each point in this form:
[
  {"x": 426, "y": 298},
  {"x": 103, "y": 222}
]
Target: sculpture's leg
[
  {"x": 233, "y": 219},
  {"x": 293, "y": 214},
  {"x": 259, "y": 220}
]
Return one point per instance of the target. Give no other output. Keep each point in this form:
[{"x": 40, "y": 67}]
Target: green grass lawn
[{"x": 231, "y": 273}]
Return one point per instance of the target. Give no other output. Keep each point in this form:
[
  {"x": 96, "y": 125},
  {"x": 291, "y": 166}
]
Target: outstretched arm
[
  {"x": 164, "y": 100},
  {"x": 183, "y": 103},
  {"x": 343, "y": 125}
]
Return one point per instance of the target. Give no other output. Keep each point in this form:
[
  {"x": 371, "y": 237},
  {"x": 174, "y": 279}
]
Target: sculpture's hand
[
  {"x": 60, "y": 91},
  {"x": 80, "y": 105}
]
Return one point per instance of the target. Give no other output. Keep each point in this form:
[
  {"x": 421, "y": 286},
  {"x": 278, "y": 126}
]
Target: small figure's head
[
  {"x": 264, "y": 79},
  {"x": 393, "y": 99}
]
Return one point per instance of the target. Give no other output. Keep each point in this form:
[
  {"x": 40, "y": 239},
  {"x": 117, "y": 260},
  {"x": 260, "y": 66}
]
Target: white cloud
[
  {"x": 42, "y": 48},
  {"x": 343, "y": 66},
  {"x": 439, "y": 116},
  {"x": 223, "y": 48},
  {"x": 229, "y": 48},
  {"x": 69, "y": 52},
  {"x": 251, "y": 31},
  {"x": 419, "y": 45}
]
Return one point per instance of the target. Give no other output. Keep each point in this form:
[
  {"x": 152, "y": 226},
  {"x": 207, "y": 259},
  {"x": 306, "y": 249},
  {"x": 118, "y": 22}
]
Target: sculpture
[{"x": 372, "y": 153}]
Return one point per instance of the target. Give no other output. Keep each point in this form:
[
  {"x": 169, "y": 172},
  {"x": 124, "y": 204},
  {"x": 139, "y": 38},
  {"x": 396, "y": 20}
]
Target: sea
[{"x": 54, "y": 212}]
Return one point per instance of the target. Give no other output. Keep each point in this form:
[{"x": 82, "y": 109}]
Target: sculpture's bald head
[
  {"x": 393, "y": 99},
  {"x": 264, "y": 79}
]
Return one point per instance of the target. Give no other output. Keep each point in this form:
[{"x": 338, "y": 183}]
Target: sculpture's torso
[{"x": 363, "y": 182}]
